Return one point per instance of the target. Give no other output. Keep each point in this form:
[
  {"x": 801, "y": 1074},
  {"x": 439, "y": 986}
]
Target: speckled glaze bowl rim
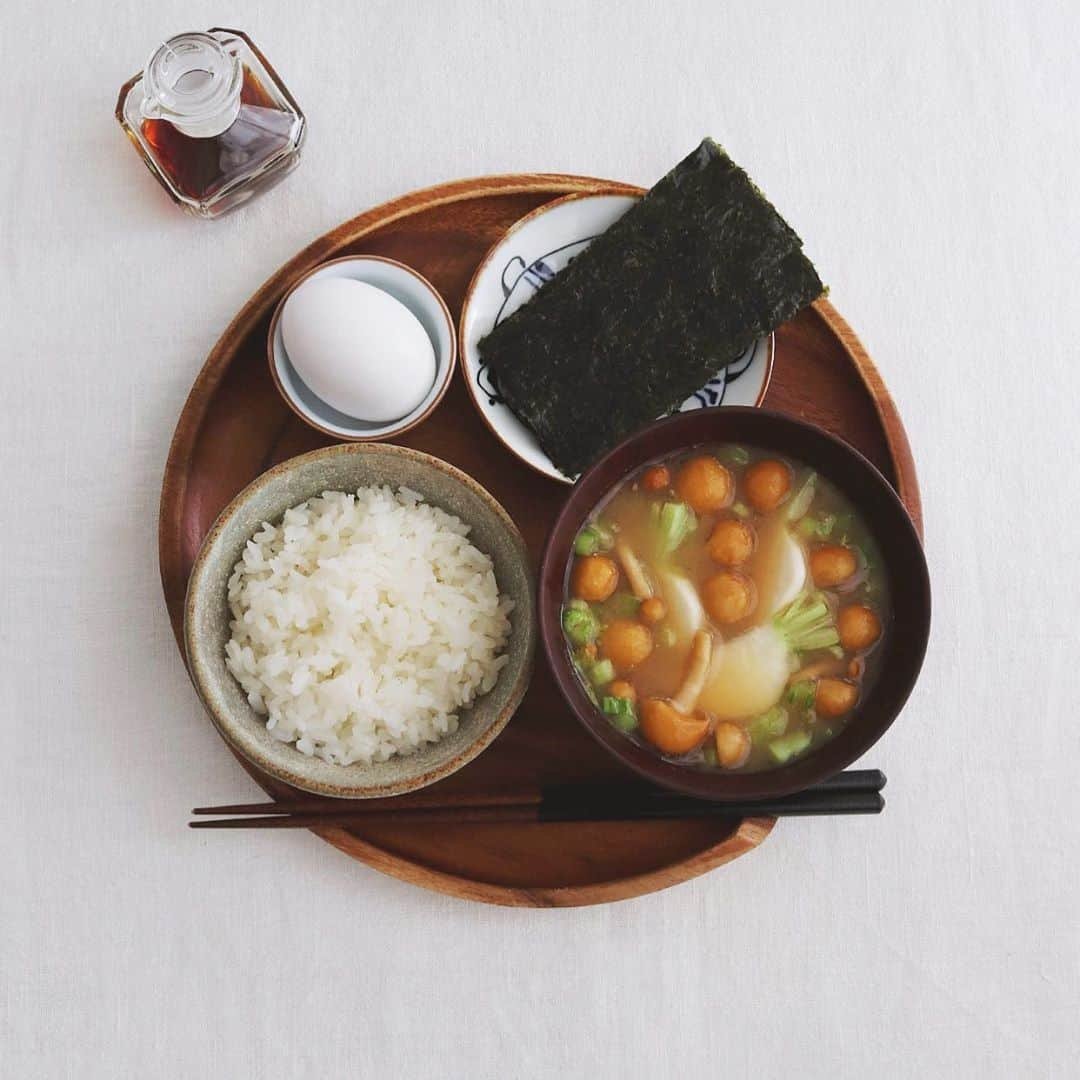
[
  {"x": 883, "y": 705},
  {"x": 296, "y": 778},
  {"x": 389, "y": 432}
]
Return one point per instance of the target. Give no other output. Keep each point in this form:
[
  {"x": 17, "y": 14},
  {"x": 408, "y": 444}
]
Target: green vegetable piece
[
  {"x": 676, "y": 521},
  {"x": 740, "y": 509},
  {"x": 709, "y": 754},
  {"x": 593, "y": 538},
  {"x": 788, "y": 746},
  {"x": 837, "y": 652},
  {"x": 802, "y": 694},
  {"x": 816, "y": 528},
  {"x": 799, "y": 504},
  {"x": 621, "y": 711},
  {"x": 601, "y": 673},
  {"x": 587, "y": 542},
  {"x": 604, "y": 534},
  {"x": 734, "y": 455},
  {"x": 580, "y": 625},
  {"x": 578, "y": 605},
  {"x": 617, "y": 706},
  {"x": 807, "y": 623},
  {"x": 769, "y": 725}
]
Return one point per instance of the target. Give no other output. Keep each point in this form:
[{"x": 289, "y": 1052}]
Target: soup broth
[{"x": 727, "y": 608}]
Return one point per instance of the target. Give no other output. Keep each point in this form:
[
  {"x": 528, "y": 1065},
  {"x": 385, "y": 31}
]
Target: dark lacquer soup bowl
[{"x": 906, "y": 631}]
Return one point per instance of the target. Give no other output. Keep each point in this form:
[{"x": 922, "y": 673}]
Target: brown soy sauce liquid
[{"x": 201, "y": 167}]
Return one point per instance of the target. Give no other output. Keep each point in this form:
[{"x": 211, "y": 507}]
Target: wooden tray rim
[{"x": 751, "y": 831}]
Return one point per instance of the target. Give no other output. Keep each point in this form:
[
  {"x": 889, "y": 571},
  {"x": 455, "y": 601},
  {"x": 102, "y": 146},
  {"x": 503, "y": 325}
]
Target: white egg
[{"x": 360, "y": 350}]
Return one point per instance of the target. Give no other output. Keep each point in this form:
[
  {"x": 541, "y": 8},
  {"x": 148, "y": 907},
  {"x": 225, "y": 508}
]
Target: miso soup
[{"x": 726, "y": 607}]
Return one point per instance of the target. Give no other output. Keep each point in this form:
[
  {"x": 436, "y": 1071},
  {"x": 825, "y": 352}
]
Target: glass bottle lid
[{"x": 194, "y": 82}]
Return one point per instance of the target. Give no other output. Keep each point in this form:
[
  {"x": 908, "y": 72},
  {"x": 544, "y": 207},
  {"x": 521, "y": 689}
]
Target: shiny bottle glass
[{"x": 212, "y": 121}]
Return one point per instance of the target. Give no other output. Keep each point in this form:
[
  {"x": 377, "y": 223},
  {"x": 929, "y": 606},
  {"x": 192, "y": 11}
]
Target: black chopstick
[
  {"x": 857, "y": 792},
  {"x": 852, "y": 780}
]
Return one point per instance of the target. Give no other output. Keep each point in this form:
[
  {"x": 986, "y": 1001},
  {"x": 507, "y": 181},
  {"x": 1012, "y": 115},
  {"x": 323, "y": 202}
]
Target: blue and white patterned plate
[{"x": 532, "y": 252}]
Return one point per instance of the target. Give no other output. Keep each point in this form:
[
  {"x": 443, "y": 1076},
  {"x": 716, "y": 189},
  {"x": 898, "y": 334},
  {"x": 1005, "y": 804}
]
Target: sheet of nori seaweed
[{"x": 674, "y": 291}]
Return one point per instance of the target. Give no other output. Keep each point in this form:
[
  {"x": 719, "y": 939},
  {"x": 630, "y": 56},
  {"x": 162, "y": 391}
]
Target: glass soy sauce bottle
[{"x": 212, "y": 120}]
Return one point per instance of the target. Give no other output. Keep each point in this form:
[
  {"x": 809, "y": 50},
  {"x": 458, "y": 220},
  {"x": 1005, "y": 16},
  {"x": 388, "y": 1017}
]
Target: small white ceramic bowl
[{"x": 419, "y": 296}]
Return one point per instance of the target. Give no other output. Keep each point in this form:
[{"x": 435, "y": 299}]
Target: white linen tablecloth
[{"x": 928, "y": 155}]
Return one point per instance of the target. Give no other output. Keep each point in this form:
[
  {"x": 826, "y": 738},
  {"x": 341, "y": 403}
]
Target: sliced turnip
[
  {"x": 748, "y": 675},
  {"x": 778, "y": 567},
  {"x": 685, "y": 615},
  {"x": 791, "y": 572},
  {"x": 799, "y": 503}
]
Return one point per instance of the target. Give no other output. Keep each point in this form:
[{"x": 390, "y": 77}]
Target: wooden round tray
[{"x": 234, "y": 426}]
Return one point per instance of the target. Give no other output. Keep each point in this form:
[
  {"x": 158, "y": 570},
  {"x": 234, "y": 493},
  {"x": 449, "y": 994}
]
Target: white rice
[{"x": 363, "y": 623}]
